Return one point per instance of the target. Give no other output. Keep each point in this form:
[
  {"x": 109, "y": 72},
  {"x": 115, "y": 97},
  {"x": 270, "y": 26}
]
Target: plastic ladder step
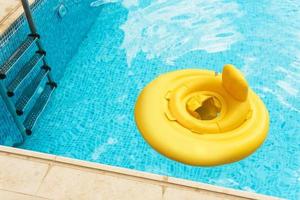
[
  {"x": 13, "y": 85},
  {"x": 11, "y": 61},
  {"x": 29, "y": 91},
  {"x": 38, "y": 107}
]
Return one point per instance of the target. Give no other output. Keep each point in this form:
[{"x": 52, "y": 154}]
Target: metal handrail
[
  {"x": 9, "y": 103},
  {"x": 33, "y": 30},
  {"x": 11, "y": 108}
]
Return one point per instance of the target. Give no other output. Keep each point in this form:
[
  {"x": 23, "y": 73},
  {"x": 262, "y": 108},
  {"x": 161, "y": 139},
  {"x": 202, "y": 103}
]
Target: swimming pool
[{"x": 123, "y": 46}]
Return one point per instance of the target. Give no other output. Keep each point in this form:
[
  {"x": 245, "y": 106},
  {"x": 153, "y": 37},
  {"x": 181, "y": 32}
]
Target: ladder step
[
  {"x": 35, "y": 59},
  {"x": 29, "y": 91},
  {"x": 39, "y": 106},
  {"x": 17, "y": 55}
]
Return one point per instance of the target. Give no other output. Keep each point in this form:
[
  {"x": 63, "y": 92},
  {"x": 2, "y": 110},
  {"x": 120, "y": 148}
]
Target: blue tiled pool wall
[{"x": 60, "y": 35}]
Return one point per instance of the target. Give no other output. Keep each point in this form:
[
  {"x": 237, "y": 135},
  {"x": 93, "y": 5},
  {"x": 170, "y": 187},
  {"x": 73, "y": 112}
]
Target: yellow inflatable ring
[{"x": 199, "y": 117}]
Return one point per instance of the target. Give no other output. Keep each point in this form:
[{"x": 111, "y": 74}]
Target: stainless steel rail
[
  {"x": 33, "y": 30},
  {"x": 3, "y": 90},
  {"x": 11, "y": 108}
]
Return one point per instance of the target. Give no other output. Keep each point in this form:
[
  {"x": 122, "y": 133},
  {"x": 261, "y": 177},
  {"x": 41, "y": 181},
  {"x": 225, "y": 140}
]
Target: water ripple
[{"x": 169, "y": 29}]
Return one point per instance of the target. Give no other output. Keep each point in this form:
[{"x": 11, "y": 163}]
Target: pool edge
[{"x": 123, "y": 173}]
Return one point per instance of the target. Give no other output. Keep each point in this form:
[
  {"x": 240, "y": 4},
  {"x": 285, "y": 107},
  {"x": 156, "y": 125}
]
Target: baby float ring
[{"x": 199, "y": 117}]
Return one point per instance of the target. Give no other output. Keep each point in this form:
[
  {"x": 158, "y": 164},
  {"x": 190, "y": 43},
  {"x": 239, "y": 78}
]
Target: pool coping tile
[
  {"x": 21, "y": 175},
  {"x": 129, "y": 174}
]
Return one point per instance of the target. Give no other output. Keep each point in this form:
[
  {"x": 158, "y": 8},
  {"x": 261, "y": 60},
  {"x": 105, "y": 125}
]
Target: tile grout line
[
  {"x": 50, "y": 165},
  {"x": 163, "y": 191},
  {"x": 25, "y": 194}
]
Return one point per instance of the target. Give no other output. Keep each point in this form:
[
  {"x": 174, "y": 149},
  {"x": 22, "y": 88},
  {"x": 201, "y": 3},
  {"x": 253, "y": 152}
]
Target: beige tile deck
[
  {"x": 21, "y": 175},
  {"x": 73, "y": 184},
  {"x": 31, "y": 175}
]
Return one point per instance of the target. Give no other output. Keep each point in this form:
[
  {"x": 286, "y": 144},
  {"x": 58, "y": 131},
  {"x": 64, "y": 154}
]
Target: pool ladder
[{"x": 24, "y": 120}]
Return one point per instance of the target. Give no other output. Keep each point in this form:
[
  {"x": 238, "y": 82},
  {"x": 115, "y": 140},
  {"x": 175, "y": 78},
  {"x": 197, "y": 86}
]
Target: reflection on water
[
  {"x": 98, "y": 3},
  {"x": 275, "y": 42},
  {"x": 171, "y": 28}
]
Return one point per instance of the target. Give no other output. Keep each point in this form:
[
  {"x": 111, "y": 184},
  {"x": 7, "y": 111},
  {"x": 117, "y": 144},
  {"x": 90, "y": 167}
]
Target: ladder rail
[
  {"x": 15, "y": 57},
  {"x": 33, "y": 30},
  {"x": 29, "y": 91},
  {"x": 36, "y": 110},
  {"x": 11, "y": 107},
  {"x": 23, "y": 73},
  {"x": 16, "y": 108}
]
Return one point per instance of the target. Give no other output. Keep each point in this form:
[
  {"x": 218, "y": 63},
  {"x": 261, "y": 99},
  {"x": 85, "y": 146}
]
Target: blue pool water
[{"x": 90, "y": 115}]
